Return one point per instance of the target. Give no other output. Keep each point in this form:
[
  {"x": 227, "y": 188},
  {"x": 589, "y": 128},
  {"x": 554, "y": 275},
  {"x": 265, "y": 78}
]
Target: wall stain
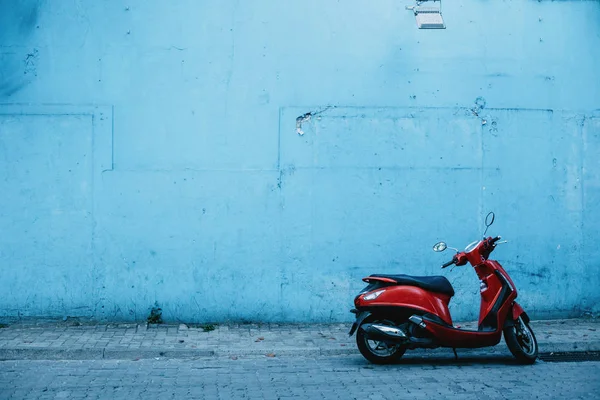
[
  {"x": 29, "y": 16},
  {"x": 18, "y": 21}
]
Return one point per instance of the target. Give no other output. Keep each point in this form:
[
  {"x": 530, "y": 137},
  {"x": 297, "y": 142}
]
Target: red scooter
[{"x": 399, "y": 312}]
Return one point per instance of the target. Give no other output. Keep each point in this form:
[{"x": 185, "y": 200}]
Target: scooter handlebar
[
  {"x": 494, "y": 240},
  {"x": 448, "y": 263}
]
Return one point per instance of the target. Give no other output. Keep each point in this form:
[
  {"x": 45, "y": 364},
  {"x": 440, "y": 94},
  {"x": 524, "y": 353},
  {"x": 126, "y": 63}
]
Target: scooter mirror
[
  {"x": 489, "y": 220},
  {"x": 441, "y": 246}
]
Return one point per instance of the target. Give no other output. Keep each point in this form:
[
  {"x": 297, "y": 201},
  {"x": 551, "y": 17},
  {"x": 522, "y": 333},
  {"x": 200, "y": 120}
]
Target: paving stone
[{"x": 243, "y": 339}]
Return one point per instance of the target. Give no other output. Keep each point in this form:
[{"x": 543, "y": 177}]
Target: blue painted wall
[{"x": 150, "y": 151}]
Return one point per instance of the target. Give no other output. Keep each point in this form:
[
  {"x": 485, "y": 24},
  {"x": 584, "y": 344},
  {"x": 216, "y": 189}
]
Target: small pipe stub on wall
[{"x": 428, "y": 17}]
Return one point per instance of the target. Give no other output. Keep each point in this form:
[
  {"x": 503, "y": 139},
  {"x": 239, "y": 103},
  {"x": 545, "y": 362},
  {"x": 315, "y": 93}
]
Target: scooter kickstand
[{"x": 455, "y": 355}]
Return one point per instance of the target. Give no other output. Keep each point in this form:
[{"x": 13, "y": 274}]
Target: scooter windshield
[{"x": 471, "y": 246}]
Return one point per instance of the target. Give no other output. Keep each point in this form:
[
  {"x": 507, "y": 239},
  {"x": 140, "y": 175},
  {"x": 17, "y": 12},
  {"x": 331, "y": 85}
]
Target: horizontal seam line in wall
[
  {"x": 47, "y": 114},
  {"x": 302, "y": 168},
  {"x": 398, "y": 168},
  {"x": 117, "y": 169},
  {"x": 427, "y": 108}
]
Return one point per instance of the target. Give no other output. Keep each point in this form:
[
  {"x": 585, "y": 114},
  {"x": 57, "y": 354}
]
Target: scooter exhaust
[{"x": 384, "y": 333}]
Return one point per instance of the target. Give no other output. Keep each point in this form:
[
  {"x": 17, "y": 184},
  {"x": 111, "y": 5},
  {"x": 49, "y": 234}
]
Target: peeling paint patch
[
  {"x": 300, "y": 120},
  {"x": 306, "y": 117},
  {"x": 494, "y": 128},
  {"x": 480, "y": 104},
  {"x": 31, "y": 62}
]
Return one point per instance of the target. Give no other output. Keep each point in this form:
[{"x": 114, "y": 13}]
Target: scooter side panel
[
  {"x": 448, "y": 336},
  {"x": 411, "y": 297}
]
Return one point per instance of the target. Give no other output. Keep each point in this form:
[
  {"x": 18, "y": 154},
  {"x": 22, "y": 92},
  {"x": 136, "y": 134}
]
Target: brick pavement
[
  {"x": 61, "y": 340},
  {"x": 331, "y": 377}
]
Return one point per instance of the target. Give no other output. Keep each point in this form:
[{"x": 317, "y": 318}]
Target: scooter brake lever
[{"x": 504, "y": 241}]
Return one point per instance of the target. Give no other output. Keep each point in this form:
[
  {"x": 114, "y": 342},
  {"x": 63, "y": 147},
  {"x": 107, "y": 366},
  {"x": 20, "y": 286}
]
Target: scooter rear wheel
[
  {"x": 375, "y": 351},
  {"x": 521, "y": 341}
]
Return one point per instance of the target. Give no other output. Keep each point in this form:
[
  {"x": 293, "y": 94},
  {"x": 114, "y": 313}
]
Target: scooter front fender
[
  {"x": 516, "y": 312},
  {"x": 360, "y": 317}
]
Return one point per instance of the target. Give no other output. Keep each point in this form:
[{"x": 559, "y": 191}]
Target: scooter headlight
[{"x": 374, "y": 295}]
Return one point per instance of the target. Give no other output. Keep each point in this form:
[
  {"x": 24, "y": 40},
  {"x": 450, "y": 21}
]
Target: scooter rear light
[{"x": 374, "y": 295}]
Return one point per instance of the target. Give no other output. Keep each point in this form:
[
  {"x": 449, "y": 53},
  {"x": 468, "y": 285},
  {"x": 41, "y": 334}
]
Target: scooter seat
[{"x": 438, "y": 284}]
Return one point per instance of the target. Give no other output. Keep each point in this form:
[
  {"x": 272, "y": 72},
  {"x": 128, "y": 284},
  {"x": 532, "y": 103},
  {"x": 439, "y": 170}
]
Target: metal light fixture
[{"x": 428, "y": 17}]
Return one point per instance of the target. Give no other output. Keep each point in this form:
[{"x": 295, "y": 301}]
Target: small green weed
[
  {"x": 204, "y": 327},
  {"x": 155, "y": 316}
]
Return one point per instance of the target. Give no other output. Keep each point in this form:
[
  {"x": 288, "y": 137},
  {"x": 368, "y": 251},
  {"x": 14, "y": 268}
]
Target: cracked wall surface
[{"x": 253, "y": 161}]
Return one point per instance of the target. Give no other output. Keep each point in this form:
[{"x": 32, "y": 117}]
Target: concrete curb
[
  {"x": 50, "y": 354},
  {"x": 53, "y": 341},
  {"x": 129, "y": 354}
]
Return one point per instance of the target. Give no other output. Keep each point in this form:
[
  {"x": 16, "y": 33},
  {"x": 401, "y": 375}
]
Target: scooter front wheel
[
  {"x": 376, "y": 351},
  {"x": 521, "y": 341}
]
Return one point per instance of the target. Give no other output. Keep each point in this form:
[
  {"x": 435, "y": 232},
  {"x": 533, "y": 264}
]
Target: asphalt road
[{"x": 342, "y": 377}]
